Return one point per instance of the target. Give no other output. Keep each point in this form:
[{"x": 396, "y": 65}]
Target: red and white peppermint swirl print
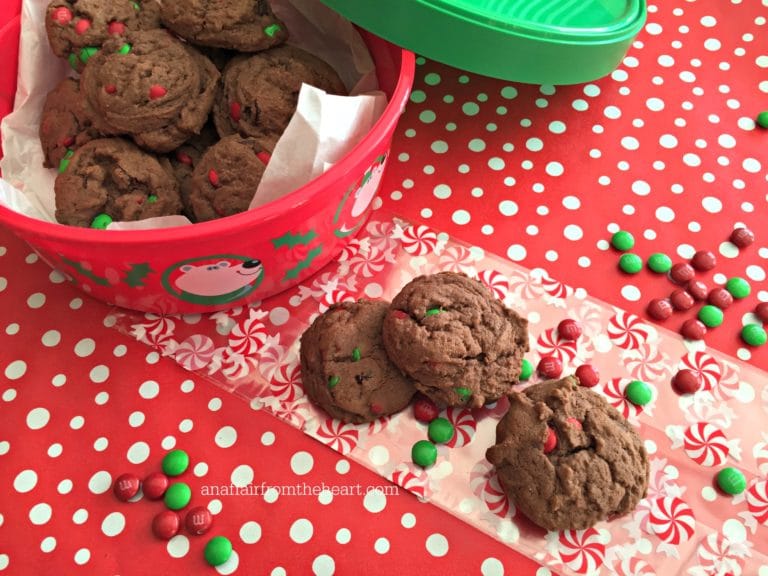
[
  {"x": 413, "y": 479},
  {"x": 340, "y": 436},
  {"x": 549, "y": 343},
  {"x": 633, "y": 566},
  {"x": 485, "y": 485},
  {"x": 248, "y": 335},
  {"x": 417, "y": 240},
  {"x": 496, "y": 282},
  {"x": 613, "y": 390},
  {"x": 672, "y": 520},
  {"x": 457, "y": 259},
  {"x": 555, "y": 288},
  {"x": 646, "y": 362},
  {"x": 628, "y": 331},
  {"x": 718, "y": 555},
  {"x": 582, "y": 551},
  {"x": 334, "y": 297},
  {"x": 464, "y": 426},
  {"x": 706, "y": 444},
  {"x": 286, "y": 381},
  {"x": 196, "y": 352},
  {"x": 525, "y": 286},
  {"x": 757, "y": 501}
]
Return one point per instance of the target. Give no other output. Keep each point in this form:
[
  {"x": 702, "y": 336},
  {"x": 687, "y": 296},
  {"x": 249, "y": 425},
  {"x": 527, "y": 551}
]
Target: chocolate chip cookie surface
[
  {"x": 78, "y": 28},
  {"x": 344, "y": 368},
  {"x": 459, "y": 344},
  {"x": 567, "y": 458},
  {"x": 225, "y": 178},
  {"x": 243, "y": 25},
  {"x": 112, "y": 179},
  {"x": 259, "y": 93},
  {"x": 152, "y": 87}
]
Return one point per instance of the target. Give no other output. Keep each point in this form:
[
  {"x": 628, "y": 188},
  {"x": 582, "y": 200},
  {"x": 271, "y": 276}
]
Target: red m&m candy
[
  {"x": 116, "y": 28},
  {"x": 62, "y": 15},
  {"x": 82, "y": 26},
  {"x": 198, "y": 520},
  {"x": 235, "y": 111},
  {"x": 550, "y": 367},
  {"x": 424, "y": 410},
  {"x": 156, "y": 92},
  {"x": 126, "y": 486},
  {"x": 686, "y": 382},
  {"x": 155, "y": 485},
  {"x": 550, "y": 443},
  {"x": 587, "y": 375},
  {"x": 569, "y": 329},
  {"x": 213, "y": 178},
  {"x": 166, "y": 525}
]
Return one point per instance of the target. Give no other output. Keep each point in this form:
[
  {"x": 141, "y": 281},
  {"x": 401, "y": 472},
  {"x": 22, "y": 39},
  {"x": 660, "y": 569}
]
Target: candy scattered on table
[
  {"x": 198, "y": 520},
  {"x": 681, "y": 300},
  {"x": 686, "y": 381},
  {"x": 720, "y": 297},
  {"x": 440, "y": 430},
  {"x": 425, "y": 410},
  {"x": 126, "y": 486},
  {"x": 550, "y": 443},
  {"x": 218, "y": 550},
  {"x": 697, "y": 289},
  {"x": 754, "y": 335},
  {"x": 659, "y": 263},
  {"x": 155, "y": 485},
  {"x": 742, "y": 237},
  {"x": 550, "y": 367},
  {"x": 731, "y": 480},
  {"x": 738, "y": 287},
  {"x": 166, "y": 524},
  {"x": 681, "y": 273},
  {"x": 177, "y": 496},
  {"x": 630, "y": 263},
  {"x": 693, "y": 329},
  {"x": 526, "y": 370},
  {"x": 659, "y": 308},
  {"x": 710, "y": 316},
  {"x": 638, "y": 392},
  {"x": 588, "y": 376},
  {"x": 704, "y": 260},
  {"x": 424, "y": 453},
  {"x": 175, "y": 462},
  {"x": 569, "y": 329},
  {"x": 762, "y": 119},
  {"x": 623, "y": 241}
]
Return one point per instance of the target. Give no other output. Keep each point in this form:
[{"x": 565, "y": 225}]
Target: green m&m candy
[
  {"x": 463, "y": 392},
  {"x": 440, "y": 430},
  {"x": 64, "y": 164},
  {"x": 217, "y": 551},
  {"x": 87, "y": 52},
  {"x": 638, "y": 392},
  {"x": 177, "y": 496},
  {"x": 659, "y": 263},
  {"x": 424, "y": 453},
  {"x": 630, "y": 263},
  {"x": 762, "y": 119},
  {"x": 272, "y": 29},
  {"x": 738, "y": 287},
  {"x": 101, "y": 222},
  {"x": 526, "y": 371},
  {"x": 731, "y": 480},
  {"x": 711, "y": 316},
  {"x": 175, "y": 463},
  {"x": 623, "y": 241},
  {"x": 754, "y": 334}
]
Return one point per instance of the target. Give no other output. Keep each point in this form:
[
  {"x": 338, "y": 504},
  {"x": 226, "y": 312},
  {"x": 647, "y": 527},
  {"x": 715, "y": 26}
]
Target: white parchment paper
[{"x": 324, "y": 128}]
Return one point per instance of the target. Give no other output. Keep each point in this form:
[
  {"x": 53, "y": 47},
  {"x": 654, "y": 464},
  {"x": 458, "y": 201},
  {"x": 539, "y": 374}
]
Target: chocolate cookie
[
  {"x": 112, "y": 179},
  {"x": 259, "y": 93},
  {"x": 78, "y": 28},
  {"x": 460, "y": 345},
  {"x": 242, "y": 25},
  {"x": 225, "y": 179},
  {"x": 185, "y": 158},
  {"x": 153, "y": 87},
  {"x": 344, "y": 367},
  {"x": 66, "y": 122},
  {"x": 567, "y": 458}
]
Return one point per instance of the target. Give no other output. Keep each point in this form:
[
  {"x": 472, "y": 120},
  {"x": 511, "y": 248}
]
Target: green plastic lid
[{"x": 535, "y": 41}]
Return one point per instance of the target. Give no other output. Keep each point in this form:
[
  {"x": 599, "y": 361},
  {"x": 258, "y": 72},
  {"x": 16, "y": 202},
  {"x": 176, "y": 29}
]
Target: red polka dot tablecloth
[{"x": 665, "y": 147}]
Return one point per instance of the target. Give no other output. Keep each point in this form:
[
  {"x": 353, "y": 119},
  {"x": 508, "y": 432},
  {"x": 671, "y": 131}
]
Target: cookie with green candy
[
  {"x": 460, "y": 345},
  {"x": 344, "y": 368}
]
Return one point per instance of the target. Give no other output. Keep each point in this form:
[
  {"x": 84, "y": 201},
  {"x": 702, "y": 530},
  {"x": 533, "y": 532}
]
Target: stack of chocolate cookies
[{"x": 176, "y": 109}]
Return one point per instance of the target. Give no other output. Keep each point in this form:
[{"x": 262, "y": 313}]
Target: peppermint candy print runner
[{"x": 683, "y": 526}]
